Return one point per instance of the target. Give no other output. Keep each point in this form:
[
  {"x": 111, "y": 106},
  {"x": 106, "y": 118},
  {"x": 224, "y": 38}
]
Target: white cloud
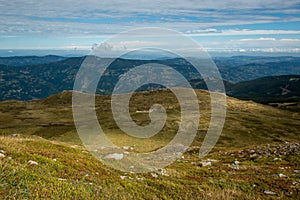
[
  {"x": 256, "y": 39},
  {"x": 256, "y": 45},
  {"x": 96, "y": 19},
  {"x": 242, "y": 32},
  {"x": 289, "y": 40},
  {"x": 107, "y": 17}
]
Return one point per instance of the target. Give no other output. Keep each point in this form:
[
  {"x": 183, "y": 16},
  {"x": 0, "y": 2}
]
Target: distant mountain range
[
  {"x": 29, "y": 60},
  {"x": 31, "y": 77}
]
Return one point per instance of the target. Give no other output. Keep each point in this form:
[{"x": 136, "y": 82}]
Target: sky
[{"x": 222, "y": 26}]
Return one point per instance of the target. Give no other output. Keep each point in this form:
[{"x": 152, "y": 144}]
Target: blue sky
[{"x": 232, "y": 25}]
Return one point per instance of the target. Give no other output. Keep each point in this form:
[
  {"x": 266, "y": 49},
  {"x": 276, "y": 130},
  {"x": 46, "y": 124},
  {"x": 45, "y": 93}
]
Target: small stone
[
  {"x": 62, "y": 179},
  {"x": 31, "y": 162},
  {"x": 234, "y": 166},
  {"x": 269, "y": 192},
  {"x": 162, "y": 172},
  {"x": 127, "y": 148},
  {"x": 1, "y": 151},
  {"x": 236, "y": 162},
  {"x": 2, "y": 155},
  {"x": 154, "y": 175},
  {"x": 116, "y": 156},
  {"x": 123, "y": 177},
  {"x": 212, "y": 160},
  {"x": 205, "y": 163},
  {"x": 139, "y": 179},
  {"x": 282, "y": 176},
  {"x": 252, "y": 151},
  {"x": 15, "y": 135},
  {"x": 253, "y": 155},
  {"x": 54, "y": 159}
]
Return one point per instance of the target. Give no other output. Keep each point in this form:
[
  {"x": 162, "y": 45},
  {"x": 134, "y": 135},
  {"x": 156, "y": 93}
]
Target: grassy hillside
[
  {"x": 257, "y": 156},
  {"x": 51, "y": 118}
]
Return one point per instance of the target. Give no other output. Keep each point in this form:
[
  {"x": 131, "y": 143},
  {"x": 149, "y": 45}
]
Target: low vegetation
[{"x": 257, "y": 156}]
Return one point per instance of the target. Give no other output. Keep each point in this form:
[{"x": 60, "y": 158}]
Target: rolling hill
[
  {"x": 257, "y": 156},
  {"x": 28, "y": 78},
  {"x": 268, "y": 89}
]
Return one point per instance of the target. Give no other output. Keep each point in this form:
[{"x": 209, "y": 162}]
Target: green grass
[{"x": 77, "y": 175}]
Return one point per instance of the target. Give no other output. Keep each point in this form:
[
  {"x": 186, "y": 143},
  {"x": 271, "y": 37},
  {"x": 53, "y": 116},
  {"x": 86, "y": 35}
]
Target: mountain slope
[
  {"x": 52, "y": 118},
  {"x": 35, "y": 81},
  {"x": 268, "y": 89},
  {"x": 257, "y": 156},
  {"x": 17, "y": 61}
]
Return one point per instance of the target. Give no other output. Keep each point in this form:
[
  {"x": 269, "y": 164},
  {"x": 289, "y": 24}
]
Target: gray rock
[
  {"x": 116, "y": 156},
  {"x": 154, "y": 175},
  {"x": 269, "y": 192},
  {"x": 31, "y": 162},
  {"x": 162, "y": 172},
  {"x": 205, "y": 163},
  {"x": 139, "y": 178},
  {"x": 15, "y": 135},
  {"x": 234, "y": 166},
  {"x": 282, "y": 176},
  {"x": 127, "y": 148},
  {"x": 236, "y": 162}
]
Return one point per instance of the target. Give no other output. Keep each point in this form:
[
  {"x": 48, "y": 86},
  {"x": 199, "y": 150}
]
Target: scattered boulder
[
  {"x": 269, "y": 192},
  {"x": 2, "y": 155},
  {"x": 154, "y": 175},
  {"x": 139, "y": 178},
  {"x": 15, "y": 135},
  {"x": 131, "y": 167},
  {"x": 268, "y": 151},
  {"x": 234, "y": 166},
  {"x": 116, "y": 156},
  {"x": 162, "y": 172},
  {"x": 127, "y": 148},
  {"x": 213, "y": 160},
  {"x": 282, "y": 176},
  {"x": 31, "y": 162},
  {"x": 205, "y": 163}
]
